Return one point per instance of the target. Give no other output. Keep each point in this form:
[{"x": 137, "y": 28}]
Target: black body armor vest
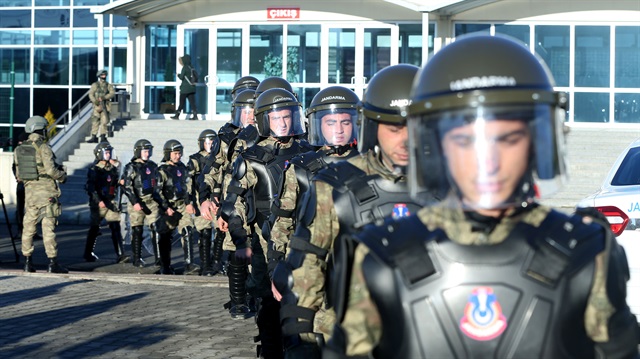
[
  {"x": 269, "y": 164},
  {"x": 175, "y": 187},
  {"x": 106, "y": 182},
  {"x": 227, "y": 133},
  {"x": 308, "y": 164},
  {"x": 522, "y": 298},
  {"x": 145, "y": 179}
]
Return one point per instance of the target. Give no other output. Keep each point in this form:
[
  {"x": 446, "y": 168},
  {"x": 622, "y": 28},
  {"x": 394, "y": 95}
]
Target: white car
[{"x": 619, "y": 200}]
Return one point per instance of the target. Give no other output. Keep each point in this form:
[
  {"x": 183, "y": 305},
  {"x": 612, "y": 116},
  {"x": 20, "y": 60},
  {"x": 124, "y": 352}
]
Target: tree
[{"x": 51, "y": 129}]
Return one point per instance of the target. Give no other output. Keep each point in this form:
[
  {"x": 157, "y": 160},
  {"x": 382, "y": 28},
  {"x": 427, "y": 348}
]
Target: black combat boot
[
  {"x": 116, "y": 237},
  {"x": 90, "y": 245},
  {"x": 103, "y": 138},
  {"x": 194, "y": 116},
  {"x": 93, "y": 139},
  {"x": 136, "y": 246},
  {"x": 164, "y": 248},
  {"x": 155, "y": 238},
  {"x": 218, "y": 241},
  {"x": 205, "y": 253},
  {"x": 176, "y": 116},
  {"x": 54, "y": 267},
  {"x": 269, "y": 329},
  {"x": 238, "y": 273},
  {"x": 28, "y": 265},
  {"x": 187, "y": 246}
]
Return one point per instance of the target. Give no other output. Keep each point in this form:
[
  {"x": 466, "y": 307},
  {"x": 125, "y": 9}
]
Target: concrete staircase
[
  {"x": 74, "y": 197},
  {"x": 591, "y": 152}
]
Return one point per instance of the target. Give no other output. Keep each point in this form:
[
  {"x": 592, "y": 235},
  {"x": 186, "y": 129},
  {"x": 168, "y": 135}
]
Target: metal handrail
[{"x": 67, "y": 114}]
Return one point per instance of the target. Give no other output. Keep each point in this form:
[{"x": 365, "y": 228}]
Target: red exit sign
[{"x": 283, "y": 13}]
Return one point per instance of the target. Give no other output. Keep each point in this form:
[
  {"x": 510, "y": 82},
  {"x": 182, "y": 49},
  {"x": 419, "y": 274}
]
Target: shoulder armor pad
[
  {"x": 239, "y": 168},
  {"x": 337, "y": 173},
  {"x": 249, "y": 135},
  {"x": 311, "y": 161}
]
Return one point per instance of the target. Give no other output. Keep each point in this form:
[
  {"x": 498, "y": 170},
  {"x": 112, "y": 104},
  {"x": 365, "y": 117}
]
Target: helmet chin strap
[{"x": 388, "y": 162}]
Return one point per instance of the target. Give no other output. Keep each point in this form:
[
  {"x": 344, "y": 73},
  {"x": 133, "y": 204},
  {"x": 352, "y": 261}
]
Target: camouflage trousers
[
  {"x": 259, "y": 283},
  {"x": 97, "y": 214},
  {"x": 139, "y": 218},
  {"x": 99, "y": 121},
  {"x": 39, "y": 209}
]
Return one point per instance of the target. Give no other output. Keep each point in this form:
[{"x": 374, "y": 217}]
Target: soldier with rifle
[{"x": 100, "y": 93}]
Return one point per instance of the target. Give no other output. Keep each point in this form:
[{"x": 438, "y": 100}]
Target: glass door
[
  {"x": 229, "y": 59},
  {"x": 355, "y": 53},
  {"x": 193, "y": 40}
]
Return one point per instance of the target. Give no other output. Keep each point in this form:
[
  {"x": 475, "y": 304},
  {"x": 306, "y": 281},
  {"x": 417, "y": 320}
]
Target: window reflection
[
  {"x": 552, "y": 44},
  {"x": 84, "y": 66},
  {"x": 265, "y": 51},
  {"x": 592, "y": 56},
  {"x": 15, "y": 18},
  {"x": 591, "y": 107},
  {"x": 51, "y": 66},
  {"x": 627, "y": 108},
  {"x": 342, "y": 55},
  {"x": 627, "y": 55},
  {"x": 20, "y": 59},
  {"x": 303, "y": 53},
  {"x": 52, "y": 18}
]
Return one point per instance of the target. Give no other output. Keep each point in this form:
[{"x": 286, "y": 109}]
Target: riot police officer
[
  {"x": 343, "y": 197},
  {"x": 488, "y": 272},
  {"x": 209, "y": 144},
  {"x": 246, "y": 208},
  {"x": 36, "y": 167},
  {"x": 244, "y": 83},
  {"x": 332, "y": 117},
  {"x": 176, "y": 207},
  {"x": 140, "y": 179},
  {"x": 100, "y": 93},
  {"x": 102, "y": 188}
]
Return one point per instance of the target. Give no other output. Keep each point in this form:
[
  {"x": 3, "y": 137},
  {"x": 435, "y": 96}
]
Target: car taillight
[{"x": 618, "y": 220}]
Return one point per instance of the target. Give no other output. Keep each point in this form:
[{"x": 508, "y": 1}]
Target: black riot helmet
[
  {"x": 170, "y": 146},
  {"x": 243, "y": 83},
  {"x": 140, "y": 145},
  {"x": 274, "y": 82},
  {"x": 242, "y": 108},
  {"x": 384, "y": 100},
  {"x": 209, "y": 135},
  {"x": 278, "y": 114},
  {"x": 478, "y": 116},
  {"x": 100, "y": 149},
  {"x": 332, "y": 117}
]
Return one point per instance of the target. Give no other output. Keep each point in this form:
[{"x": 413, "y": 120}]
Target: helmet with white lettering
[
  {"x": 332, "y": 116},
  {"x": 140, "y": 145},
  {"x": 384, "y": 100},
  {"x": 243, "y": 83},
  {"x": 278, "y": 114},
  {"x": 242, "y": 108},
  {"x": 273, "y": 82},
  {"x": 466, "y": 122}
]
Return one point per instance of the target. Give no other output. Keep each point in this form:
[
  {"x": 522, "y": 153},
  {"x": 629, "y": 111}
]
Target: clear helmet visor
[
  {"x": 107, "y": 154},
  {"x": 492, "y": 157},
  {"x": 242, "y": 116},
  {"x": 281, "y": 122},
  {"x": 333, "y": 127}
]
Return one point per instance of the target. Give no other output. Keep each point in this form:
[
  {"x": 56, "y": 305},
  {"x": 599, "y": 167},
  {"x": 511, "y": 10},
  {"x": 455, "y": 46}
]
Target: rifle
[{"x": 6, "y": 217}]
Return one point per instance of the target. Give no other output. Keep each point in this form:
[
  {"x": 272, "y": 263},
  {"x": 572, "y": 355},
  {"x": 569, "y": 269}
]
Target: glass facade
[
  {"x": 52, "y": 47},
  {"x": 598, "y": 66}
]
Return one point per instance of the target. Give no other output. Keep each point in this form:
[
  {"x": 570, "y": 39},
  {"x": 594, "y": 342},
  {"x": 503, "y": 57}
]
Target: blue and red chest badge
[
  {"x": 108, "y": 178},
  {"x": 148, "y": 171},
  {"x": 178, "y": 173},
  {"x": 400, "y": 210},
  {"x": 483, "y": 319}
]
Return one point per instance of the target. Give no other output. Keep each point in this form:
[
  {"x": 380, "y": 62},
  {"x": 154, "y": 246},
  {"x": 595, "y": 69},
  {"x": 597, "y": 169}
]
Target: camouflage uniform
[
  {"x": 141, "y": 191},
  {"x": 41, "y": 196},
  {"x": 173, "y": 191},
  {"x": 363, "y": 325},
  {"x": 309, "y": 279},
  {"x": 102, "y": 182},
  {"x": 100, "y": 116}
]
